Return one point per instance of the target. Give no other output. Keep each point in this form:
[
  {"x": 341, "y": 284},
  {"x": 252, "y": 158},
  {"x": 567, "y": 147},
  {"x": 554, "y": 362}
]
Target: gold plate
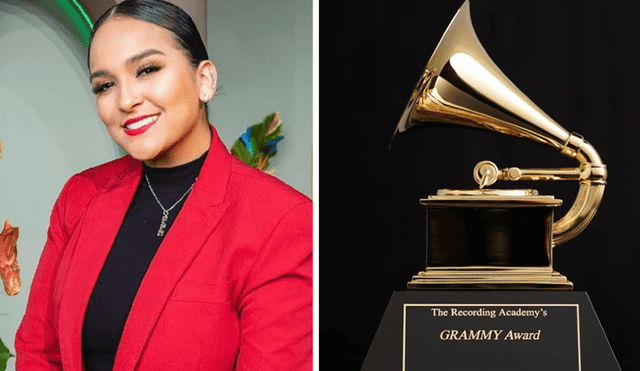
[
  {"x": 490, "y": 198},
  {"x": 488, "y": 192},
  {"x": 490, "y": 278}
]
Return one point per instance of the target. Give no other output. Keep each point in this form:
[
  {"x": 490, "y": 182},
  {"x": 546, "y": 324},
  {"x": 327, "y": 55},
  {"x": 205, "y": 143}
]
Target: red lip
[
  {"x": 136, "y": 119},
  {"x": 140, "y": 130}
]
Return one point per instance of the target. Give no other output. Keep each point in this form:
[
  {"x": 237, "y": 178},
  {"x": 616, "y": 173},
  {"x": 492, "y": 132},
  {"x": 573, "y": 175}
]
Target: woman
[{"x": 176, "y": 256}]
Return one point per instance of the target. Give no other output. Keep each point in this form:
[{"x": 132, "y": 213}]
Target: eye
[
  {"x": 101, "y": 88},
  {"x": 147, "y": 70}
]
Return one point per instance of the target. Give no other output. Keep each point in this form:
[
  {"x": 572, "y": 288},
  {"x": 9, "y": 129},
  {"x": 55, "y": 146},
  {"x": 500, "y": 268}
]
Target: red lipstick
[{"x": 140, "y": 124}]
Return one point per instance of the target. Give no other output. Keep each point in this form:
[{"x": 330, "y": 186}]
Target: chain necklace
[{"x": 165, "y": 212}]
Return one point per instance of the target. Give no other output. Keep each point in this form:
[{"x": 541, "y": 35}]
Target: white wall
[
  {"x": 263, "y": 53},
  {"x": 49, "y": 129}
]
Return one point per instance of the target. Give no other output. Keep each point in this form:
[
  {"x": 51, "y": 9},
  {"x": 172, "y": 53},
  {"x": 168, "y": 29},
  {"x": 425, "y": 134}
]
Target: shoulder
[
  {"x": 82, "y": 187},
  {"x": 251, "y": 186},
  {"x": 104, "y": 174},
  {"x": 260, "y": 204}
]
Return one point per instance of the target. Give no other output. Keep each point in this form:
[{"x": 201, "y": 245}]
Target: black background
[{"x": 576, "y": 60}]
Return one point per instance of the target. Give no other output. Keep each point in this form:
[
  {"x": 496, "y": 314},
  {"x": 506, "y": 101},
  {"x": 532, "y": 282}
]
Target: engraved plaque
[
  {"x": 500, "y": 336},
  {"x": 529, "y": 330}
]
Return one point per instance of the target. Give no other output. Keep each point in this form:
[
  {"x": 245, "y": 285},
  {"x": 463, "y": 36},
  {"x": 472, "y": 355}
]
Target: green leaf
[
  {"x": 265, "y": 122},
  {"x": 254, "y": 159},
  {"x": 4, "y": 356},
  {"x": 258, "y": 142},
  {"x": 241, "y": 152},
  {"x": 268, "y": 119},
  {"x": 257, "y": 134},
  {"x": 274, "y": 135}
]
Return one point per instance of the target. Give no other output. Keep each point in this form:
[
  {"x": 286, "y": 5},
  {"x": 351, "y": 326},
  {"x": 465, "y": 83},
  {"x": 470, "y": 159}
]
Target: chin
[
  {"x": 141, "y": 154},
  {"x": 140, "y": 150}
]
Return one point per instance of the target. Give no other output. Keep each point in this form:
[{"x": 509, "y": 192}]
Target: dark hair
[{"x": 165, "y": 15}]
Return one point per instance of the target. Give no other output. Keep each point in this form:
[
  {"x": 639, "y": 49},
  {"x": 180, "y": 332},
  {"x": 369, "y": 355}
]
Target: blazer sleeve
[
  {"x": 36, "y": 341},
  {"x": 275, "y": 306}
]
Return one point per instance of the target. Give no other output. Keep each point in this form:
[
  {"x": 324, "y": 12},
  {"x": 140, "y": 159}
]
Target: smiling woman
[
  {"x": 178, "y": 245},
  {"x": 151, "y": 87}
]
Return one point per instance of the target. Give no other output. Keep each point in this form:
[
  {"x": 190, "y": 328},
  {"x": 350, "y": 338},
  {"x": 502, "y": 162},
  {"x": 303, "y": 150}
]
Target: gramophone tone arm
[
  {"x": 591, "y": 176},
  {"x": 487, "y": 173}
]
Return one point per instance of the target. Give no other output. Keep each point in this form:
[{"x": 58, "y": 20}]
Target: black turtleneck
[{"x": 129, "y": 258}]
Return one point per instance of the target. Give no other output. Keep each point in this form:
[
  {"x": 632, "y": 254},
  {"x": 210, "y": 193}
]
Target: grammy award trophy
[
  {"x": 491, "y": 238},
  {"x": 489, "y": 298}
]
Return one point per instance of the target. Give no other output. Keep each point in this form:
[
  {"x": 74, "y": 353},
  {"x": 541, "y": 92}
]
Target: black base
[
  {"x": 489, "y": 236},
  {"x": 490, "y": 330}
]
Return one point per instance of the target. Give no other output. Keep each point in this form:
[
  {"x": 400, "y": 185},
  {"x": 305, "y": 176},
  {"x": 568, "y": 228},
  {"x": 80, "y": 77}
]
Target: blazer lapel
[
  {"x": 197, "y": 220},
  {"x": 100, "y": 225}
]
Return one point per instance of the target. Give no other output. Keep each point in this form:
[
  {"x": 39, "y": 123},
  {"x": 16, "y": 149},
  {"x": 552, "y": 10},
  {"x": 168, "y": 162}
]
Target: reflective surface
[
  {"x": 490, "y": 239},
  {"x": 462, "y": 86}
]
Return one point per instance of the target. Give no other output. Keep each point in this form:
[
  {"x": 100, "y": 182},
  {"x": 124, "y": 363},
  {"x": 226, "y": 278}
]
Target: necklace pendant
[
  {"x": 163, "y": 223},
  {"x": 165, "y": 212}
]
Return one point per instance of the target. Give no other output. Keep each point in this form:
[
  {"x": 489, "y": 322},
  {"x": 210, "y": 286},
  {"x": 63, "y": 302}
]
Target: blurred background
[{"x": 576, "y": 60}]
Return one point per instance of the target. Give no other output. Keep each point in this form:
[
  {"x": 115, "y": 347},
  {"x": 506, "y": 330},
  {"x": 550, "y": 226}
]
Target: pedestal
[{"x": 490, "y": 330}]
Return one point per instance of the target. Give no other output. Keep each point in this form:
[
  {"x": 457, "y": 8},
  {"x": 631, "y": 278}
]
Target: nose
[{"x": 128, "y": 97}]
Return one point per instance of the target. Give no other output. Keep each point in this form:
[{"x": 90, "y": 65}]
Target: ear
[{"x": 207, "y": 80}]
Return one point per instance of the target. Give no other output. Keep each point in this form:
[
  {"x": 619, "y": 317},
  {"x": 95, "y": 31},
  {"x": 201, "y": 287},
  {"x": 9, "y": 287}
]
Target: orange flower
[{"x": 9, "y": 267}]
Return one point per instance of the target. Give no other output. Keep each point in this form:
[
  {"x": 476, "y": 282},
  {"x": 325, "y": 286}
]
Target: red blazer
[{"x": 230, "y": 285}]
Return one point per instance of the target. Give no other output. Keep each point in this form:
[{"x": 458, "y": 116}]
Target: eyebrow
[{"x": 130, "y": 60}]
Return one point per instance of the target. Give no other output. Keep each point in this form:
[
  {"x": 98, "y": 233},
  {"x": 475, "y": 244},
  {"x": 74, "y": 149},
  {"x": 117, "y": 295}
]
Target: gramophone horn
[{"x": 462, "y": 86}]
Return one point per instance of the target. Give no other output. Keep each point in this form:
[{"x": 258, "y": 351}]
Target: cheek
[
  {"x": 178, "y": 92},
  {"x": 105, "y": 110},
  {"x": 106, "y": 114}
]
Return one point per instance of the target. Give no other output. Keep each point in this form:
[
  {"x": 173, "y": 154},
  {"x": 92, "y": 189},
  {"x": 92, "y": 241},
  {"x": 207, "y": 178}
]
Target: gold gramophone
[{"x": 495, "y": 239}]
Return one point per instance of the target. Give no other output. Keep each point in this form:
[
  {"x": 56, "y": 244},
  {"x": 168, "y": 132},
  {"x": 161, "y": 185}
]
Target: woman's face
[{"x": 148, "y": 94}]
